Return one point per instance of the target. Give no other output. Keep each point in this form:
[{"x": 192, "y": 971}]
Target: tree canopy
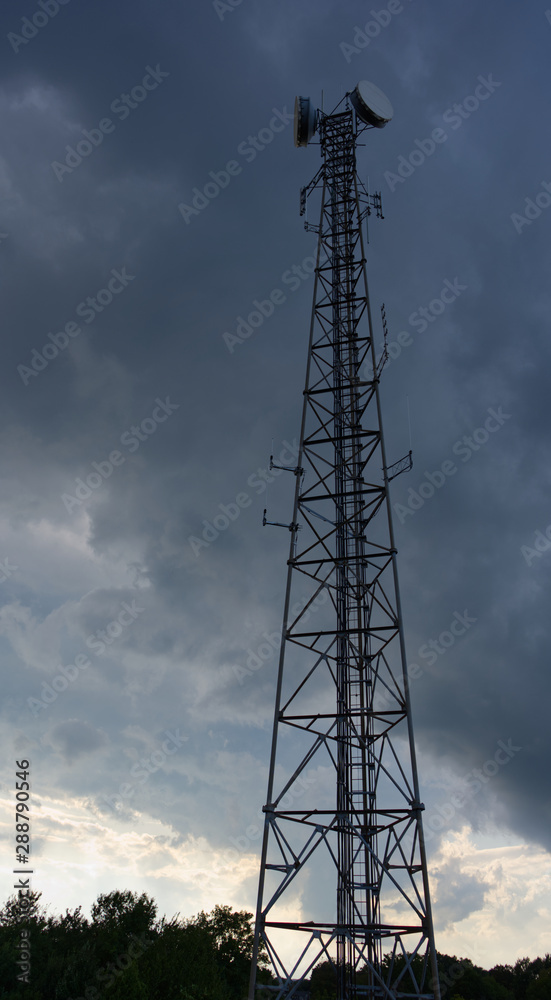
[{"x": 125, "y": 952}]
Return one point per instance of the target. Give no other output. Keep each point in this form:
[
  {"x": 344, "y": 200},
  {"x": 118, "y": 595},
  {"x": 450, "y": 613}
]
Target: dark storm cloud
[
  {"x": 458, "y": 894},
  {"x": 73, "y": 739},
  {"x": 230, "y": 85}
]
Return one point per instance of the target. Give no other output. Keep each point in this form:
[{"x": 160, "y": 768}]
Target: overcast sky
[{"x": 136, "y": 233}]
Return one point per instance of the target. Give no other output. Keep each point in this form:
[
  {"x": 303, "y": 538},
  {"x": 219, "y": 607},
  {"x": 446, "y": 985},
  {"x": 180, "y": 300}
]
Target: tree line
[{"x": 124, "y": 952}]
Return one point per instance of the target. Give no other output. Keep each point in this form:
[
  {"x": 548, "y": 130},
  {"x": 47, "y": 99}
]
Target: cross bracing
[{"x": 342, "y": 702}]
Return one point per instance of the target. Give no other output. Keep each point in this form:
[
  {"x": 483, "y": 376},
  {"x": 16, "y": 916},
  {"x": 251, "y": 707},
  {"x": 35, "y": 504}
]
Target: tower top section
[{"x": 370, "y": 104}]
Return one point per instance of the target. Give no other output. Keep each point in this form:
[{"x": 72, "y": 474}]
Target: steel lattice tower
[{"x": 342, "y": 700}]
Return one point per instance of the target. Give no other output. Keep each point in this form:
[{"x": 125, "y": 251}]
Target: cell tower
[{"x": 343, "y": 809}]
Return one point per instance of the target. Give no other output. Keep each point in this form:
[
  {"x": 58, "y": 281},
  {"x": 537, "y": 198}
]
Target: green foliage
[
  {"x": 181, "y": 962},
  {"x": 459, "y": 979},
  {"x": 540, "y": 987},
  {"x": 16, "y": 912},
  {"x": 401, "y": 976},
  {"x": 232, "y": 938},
  {"x": 125, "y": 953},
  {"x": 323, "y": 982},
  {"x": 124, "y": 910},
  {"x": 128, "y": 986}
]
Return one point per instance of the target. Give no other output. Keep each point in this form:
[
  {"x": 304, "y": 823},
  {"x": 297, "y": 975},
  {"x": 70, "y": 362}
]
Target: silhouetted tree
[{"x": 125, "y": 953}]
